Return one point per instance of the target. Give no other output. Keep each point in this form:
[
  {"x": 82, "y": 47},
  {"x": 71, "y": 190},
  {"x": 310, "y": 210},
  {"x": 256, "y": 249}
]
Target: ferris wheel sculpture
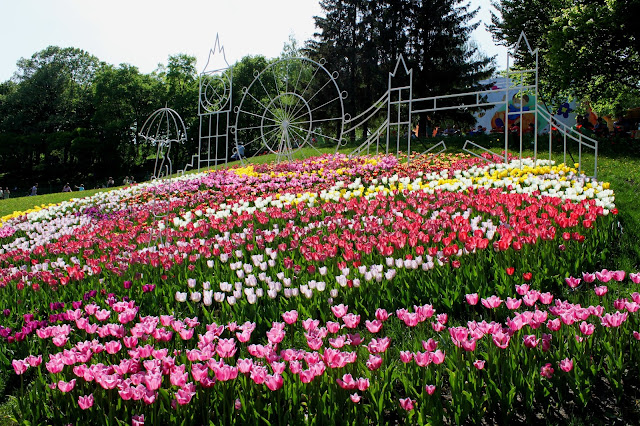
[{"x": 293, "y": 103}]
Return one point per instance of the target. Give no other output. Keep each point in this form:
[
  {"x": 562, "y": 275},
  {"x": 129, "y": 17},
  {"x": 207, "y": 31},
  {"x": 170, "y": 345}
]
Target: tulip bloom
[
  {"x": 566, "y": 365},
  {"x": 546, "y": 371},
  {"x": 85, "y": 402},
  {"x": 407, "y": 403}
]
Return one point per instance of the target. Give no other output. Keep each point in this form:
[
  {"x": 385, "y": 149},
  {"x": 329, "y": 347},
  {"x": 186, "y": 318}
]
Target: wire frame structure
[
  {"x": 163, "y": 128},
  {"x": 296, "y": 102},
  {"x": 293, "y": 103}
]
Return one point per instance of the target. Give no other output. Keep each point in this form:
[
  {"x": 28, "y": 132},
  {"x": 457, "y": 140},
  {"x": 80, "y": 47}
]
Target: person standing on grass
[
  {"x": 66, "y": 188},
  {"x": 34, "y": 190},
  {"x": 6, "y": 193}
]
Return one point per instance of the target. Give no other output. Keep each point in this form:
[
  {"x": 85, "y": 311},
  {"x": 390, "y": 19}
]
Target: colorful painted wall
[{"x": 494, "y": 119}]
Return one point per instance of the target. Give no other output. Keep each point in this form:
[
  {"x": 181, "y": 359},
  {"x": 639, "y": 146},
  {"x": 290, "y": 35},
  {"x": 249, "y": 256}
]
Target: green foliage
[
  {"x": 590, "y": 50},
  {"x": 363, "y": 40},
  {"x": 67, "y": 117}
]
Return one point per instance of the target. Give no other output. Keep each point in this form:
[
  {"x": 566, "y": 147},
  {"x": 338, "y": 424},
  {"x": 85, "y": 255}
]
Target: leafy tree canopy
[{"x": 589, "y": 50}]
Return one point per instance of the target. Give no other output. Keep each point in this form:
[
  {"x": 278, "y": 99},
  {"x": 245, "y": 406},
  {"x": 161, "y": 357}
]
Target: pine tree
[{"x": 366, "y": 38}]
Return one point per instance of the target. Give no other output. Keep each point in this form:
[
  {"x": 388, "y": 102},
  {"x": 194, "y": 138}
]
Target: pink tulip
[
  {"x": 339, "y": 310},
  {"x": 274, "y": 382},
  {"x": 636, "y": 335},
  {"x": 355, "y": 398},
  {"x": 382, "y": 314},
  {"x": 554, "y": 324},
  {"x": 530, "y": 341},
  {"x": 430, "y": 345},
  {"x": 619, "y": 303},
  {"x": 501, "y": 339},
  {"x": 226, "y": 348},
  {"x": 430, "y": 389},
  {"x": 333, "y": 327},
  {"x": 631, "y": 306},
  {"x": 363, "y": 384},
  {"x": 566, "y": 365},
  {"x": 437, "y": 357},
  {"x": 19, "y": 366},
  {"x": 546, "y": 342},
  {"x": 479, "y": 364},
  {"x": 438, "y": 326},
  {"x": 422, "y": 359},
  {"x": 601, "y": 290},
  {"x": 306, "y": 376},
  {"x": 573, "y": 282},
  {"x": 238, "y": 404},
  {"x": 546, "y": 371},
  {"x": 618, "y": 275},
  {"x": 513, "y": 303},
  {"x": 374, "y": 362},
  {"x": 604, "y": 276},
  {"x": 635, "y": 277},
  {"x": 379, "y": 345},
  {"x": 586, "y": 328},
  {"x": 310, "y": 324},
  {"x": 276, "y": 334},
  {"x": 407, "y": 403},
  {"x": 137, "y": 420},
  {"x": 614, "y": 320},
  {"x": 85, "y": 401},
  {"x": 588, "y": 278},
  {"x": 66, "y": 386},
  {"x": 411, "y": 319},
  {"x": 112, "y": 346},
  {"x": 472, "y": 299},
  {"x": 373, "y": 326},
  {"x": 546, "y": 298},
  {"x": 351, "y": 320},
  {"x": 491, "y": 302},
  {"x": 522, "y": 289},
  {"x": 290, "y": 316},
  {"x": 347, "y": 382}
]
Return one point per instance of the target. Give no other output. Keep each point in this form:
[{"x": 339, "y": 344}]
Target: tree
[
  {"x": 442, "y": 57},
  {"x": 366, "y": 38},
  {"x": 588, "y": 50},
  {"x": 123, "y": 99},
  {"x": 50, "y": 99},
  {"x": 181, "y": 85}
]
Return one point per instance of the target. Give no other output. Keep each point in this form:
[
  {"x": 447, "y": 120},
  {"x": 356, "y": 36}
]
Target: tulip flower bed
[{"x": 359, "y": 290}]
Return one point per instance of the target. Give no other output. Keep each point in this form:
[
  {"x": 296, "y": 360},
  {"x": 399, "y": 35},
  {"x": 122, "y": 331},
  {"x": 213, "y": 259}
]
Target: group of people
[{"x": 4, "y": 194}]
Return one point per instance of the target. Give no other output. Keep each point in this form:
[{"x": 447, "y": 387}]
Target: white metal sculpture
[
  {"x": 296, "y": 102},
  {"x": 284, "y": 109},
  {"x": 163, "y": 128}
]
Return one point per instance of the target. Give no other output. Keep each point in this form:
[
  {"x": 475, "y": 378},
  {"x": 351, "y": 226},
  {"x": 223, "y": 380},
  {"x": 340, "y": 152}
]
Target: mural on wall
[{"x": 494, "y": 119}]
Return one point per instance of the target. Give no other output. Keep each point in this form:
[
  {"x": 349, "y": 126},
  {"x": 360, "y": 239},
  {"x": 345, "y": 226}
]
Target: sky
[{"x": 144, "y": 33}]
